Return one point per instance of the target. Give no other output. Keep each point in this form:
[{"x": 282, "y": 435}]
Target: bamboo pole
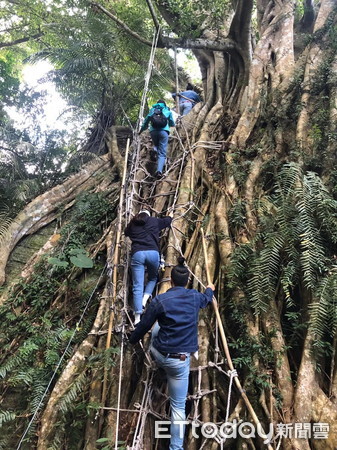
[
  {"x": 225, "y": 346},
  {"x": 114, "y": 277}
]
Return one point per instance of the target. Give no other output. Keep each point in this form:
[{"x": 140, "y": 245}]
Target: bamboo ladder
[{"x": 114, "y": 278}]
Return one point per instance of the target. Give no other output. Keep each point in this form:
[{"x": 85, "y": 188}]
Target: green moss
[{"x": 26, "y": 248}]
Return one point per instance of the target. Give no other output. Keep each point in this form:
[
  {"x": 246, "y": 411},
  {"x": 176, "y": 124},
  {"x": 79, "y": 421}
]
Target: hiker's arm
[
  {"x": 164, "y": 222},
  {"x": 171, "y": 120},
  {"x": 145, "y": 123},
  {"x": 207, "y": 296},
  {"x": 148, "y": 319}
]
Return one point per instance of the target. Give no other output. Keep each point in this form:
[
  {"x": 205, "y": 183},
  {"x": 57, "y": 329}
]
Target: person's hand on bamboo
[{"x": 211, "y": 285}]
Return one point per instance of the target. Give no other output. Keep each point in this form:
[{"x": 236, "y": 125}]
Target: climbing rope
[
  {"x": 119, "y": 387},
  {"x": 139, "y": 430},
  {"x": 148, "y": 76}
]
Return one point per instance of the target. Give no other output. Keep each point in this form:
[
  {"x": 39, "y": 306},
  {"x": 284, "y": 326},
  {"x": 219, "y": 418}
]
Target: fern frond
[
  {"x": 323, "y": 312},
  {"x": 313, "y": 258},
  {"x": 68, "y": 401},
  {"x": 265, "y": 273},
  {"x": 6, "y": 416},
  {"x": 5, "y": 222}
]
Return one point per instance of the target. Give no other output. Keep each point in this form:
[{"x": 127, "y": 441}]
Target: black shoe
[
  {"x": 158, "y": 174},
  {"x": 153, "y": 155}
]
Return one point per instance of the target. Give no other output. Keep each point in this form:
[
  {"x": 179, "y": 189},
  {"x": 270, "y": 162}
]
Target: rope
[
  {"x": 279, "y": 443},
  {"x": 232, "y": 374},
  {"x": 148, "y": 75},
  {"x": 60, "y": 361},
  {"x": 119, "y": 388},
  {"x": 139, "y": 430}
]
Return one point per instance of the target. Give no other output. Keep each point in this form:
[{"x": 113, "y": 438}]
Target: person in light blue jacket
[{"x": 160, "y": 120}]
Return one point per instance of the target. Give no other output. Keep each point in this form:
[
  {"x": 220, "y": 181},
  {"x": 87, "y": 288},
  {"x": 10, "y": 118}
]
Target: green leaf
[
  {"x": 82, "y": 261},
  {"x": 58, "y": 262},
  {"x": 77, "y": 251},
  {"x": 101, "y": 440}
]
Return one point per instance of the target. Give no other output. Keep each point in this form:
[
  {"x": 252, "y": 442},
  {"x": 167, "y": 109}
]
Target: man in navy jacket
[{"x": 174, "y": 338}]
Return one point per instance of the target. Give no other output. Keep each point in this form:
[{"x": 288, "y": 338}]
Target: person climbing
[
  {"x": 143, "y": 230},
  {"x": 160, "y": 119},
  {"x": 174, "y": 338},
  {"x": 187, "y": 99}
]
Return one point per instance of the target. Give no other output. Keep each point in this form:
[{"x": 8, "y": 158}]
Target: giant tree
[{"x": 254, "y": 166}]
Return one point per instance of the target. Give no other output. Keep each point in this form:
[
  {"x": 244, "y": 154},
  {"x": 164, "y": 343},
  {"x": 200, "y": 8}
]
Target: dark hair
[
  {"x": 161, "y": 101},
  {"x": 140, "y": 218},
  {"x": 189, "y": 87},
  {"x": 180, "y": 273}
]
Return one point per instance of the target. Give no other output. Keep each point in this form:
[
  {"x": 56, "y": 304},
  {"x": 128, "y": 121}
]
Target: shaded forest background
[{"x": 254, "y": 164}]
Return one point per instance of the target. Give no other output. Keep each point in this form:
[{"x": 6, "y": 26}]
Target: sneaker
[
  {"x": 153, "y": 155},
  {"x": 137, "y": 319},
  {"x": 146, "y": 296}
]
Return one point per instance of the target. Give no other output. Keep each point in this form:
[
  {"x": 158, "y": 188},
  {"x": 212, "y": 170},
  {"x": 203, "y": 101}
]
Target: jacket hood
[{"x": 160, "y": 104}]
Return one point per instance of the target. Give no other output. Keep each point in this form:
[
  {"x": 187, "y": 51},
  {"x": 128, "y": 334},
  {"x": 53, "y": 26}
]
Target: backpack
[{"x": 158, "y": 119}]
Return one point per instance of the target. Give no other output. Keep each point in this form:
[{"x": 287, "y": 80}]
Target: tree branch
[
  {"x": 121, "y": 24},
  {"x": 19, "y": 41},
  {"x": 166, "y": 42},
  {"x": 200, "y": 43},
  {"x": 153, "y": 14}
]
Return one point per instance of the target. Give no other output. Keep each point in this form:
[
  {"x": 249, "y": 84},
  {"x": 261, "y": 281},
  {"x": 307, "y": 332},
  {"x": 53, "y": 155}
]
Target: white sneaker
[
  {"x": 145, "y": 299},
  {"x": 137, "y": 318}
]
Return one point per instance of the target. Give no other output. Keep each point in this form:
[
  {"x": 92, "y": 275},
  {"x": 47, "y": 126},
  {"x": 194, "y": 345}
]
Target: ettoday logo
[{"x": 245, "y": 430}]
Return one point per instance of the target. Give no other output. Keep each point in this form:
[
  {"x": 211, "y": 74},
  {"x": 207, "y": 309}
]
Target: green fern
[
  {"x": 6, "y": 220},
  {"x": 68, "y": 401},
  {"x": 6, "y": 416},
  {"x": 265, "y": 270},
  {"x": 323, "y": 312},
  {"x": 4, "y": 445},
  {"x": 298, "y": 230}
]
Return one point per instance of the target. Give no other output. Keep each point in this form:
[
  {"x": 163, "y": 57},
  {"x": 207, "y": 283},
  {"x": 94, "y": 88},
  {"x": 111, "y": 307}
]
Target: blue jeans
[
  {"x": 177, "y": 373},
  {"x": 140, "y": 260},
  {"x": 185, "y": 107},
  {"x": 160, "y": 141}
]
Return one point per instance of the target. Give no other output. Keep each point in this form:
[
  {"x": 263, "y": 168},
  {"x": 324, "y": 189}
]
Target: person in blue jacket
[
  {"x": 174, "y": 338},
  {"x": 187, "y": 99},
  {"x": 143, "y": 230},
  {"x": 160, "y": 119}
]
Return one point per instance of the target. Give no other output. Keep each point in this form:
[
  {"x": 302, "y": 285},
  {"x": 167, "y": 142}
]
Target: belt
[{"x": 181, "y": 356}]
